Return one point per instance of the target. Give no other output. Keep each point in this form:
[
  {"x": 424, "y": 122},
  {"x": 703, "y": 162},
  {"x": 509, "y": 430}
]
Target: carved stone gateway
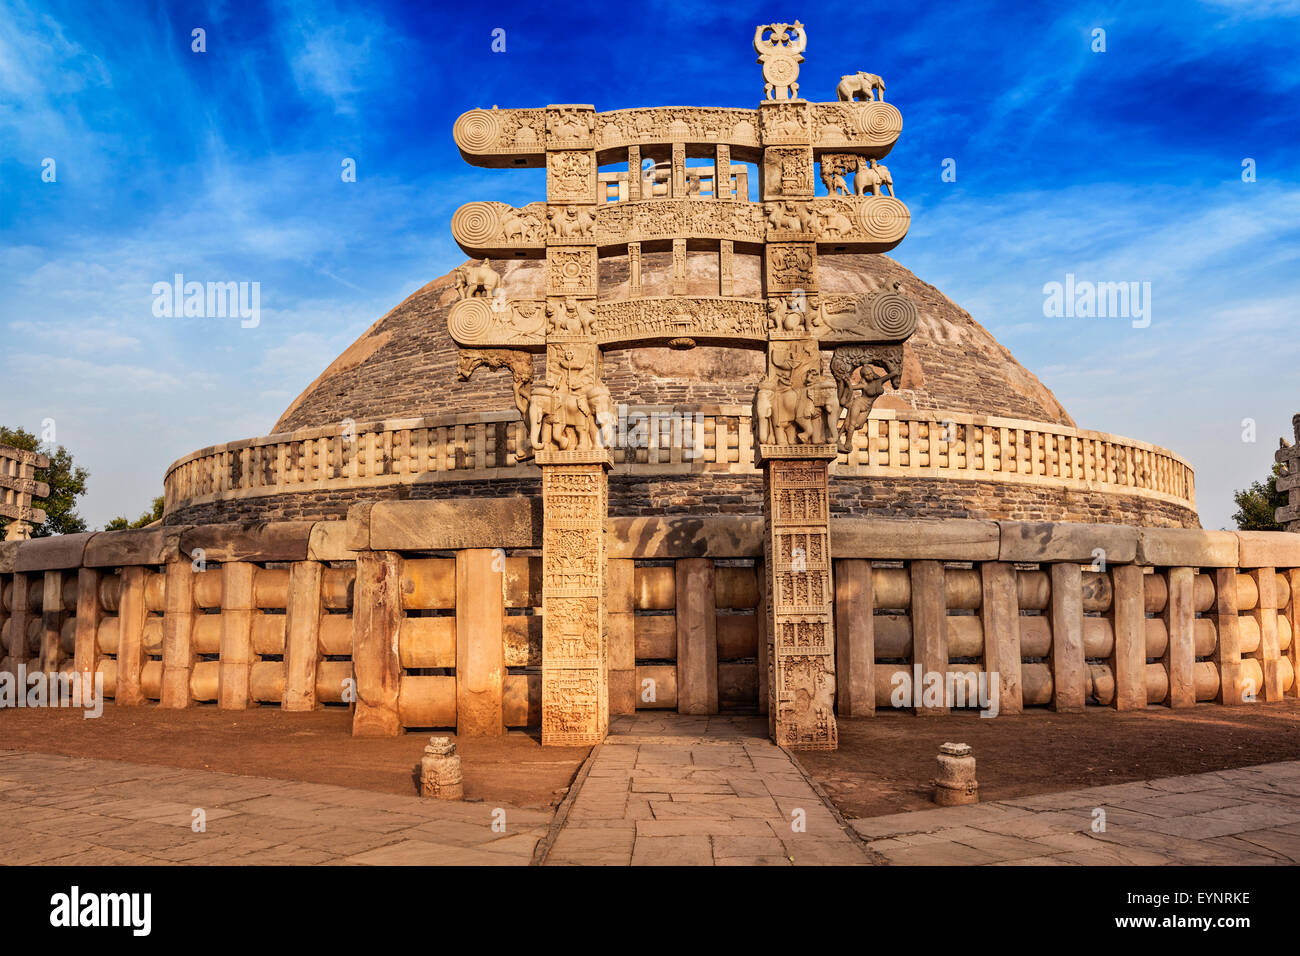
[
  {"x": 18, "y": 488},
  {"x": 804, "y": 415}
]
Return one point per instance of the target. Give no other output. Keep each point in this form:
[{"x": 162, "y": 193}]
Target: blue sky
[{"x": 1123, "y": 165}]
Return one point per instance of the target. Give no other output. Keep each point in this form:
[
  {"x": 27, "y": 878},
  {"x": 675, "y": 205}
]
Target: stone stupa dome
[{"x": 422, "y": 432}]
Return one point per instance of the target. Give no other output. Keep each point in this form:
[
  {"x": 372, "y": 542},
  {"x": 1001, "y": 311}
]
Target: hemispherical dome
[{"x": 969, "y": 433}]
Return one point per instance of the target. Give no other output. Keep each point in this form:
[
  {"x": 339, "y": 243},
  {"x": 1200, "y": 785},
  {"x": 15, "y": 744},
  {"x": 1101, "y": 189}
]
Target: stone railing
[
  {"x": 666, "y": 440},
  {"x": 427, "y": 613}
]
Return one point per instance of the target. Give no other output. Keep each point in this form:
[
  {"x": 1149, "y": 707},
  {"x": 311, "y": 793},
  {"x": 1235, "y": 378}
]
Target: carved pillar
[
  {"x": 571, "y": 201},
  {"x": 726, "y": 282},
  {"x": 634, "y": 173},
  {"x": 679, "y": 171},
  {"x": 797, "y": 562},
  {"x": 679, "y": 267},
  {"x": 790, "y": 252},
  {"x": 575, "y": 658},
  {"x": 634, "y": 268},
  {"x": 722, "y": 173}
]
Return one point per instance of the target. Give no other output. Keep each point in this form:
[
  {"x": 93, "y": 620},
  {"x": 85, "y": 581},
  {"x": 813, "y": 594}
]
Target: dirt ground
[
  {"x": 886, "y": 764},
  {"x": 316, "y": 747}
]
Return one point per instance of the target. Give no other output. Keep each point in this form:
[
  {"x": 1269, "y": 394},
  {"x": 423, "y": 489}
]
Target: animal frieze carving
[
  {"x": 791, "y": 217},
  {"x": 569, "y": 316},
  {"x": 499, "y": 321},
  {"x": 570, "y": 125},
  {"x": 872, "y": 125},
  {"x": 488, "y": 132},
  {"x": 881, "y": 317},
  {"x": 497, "y": 225},
  {"x": 571, "y": 222}
]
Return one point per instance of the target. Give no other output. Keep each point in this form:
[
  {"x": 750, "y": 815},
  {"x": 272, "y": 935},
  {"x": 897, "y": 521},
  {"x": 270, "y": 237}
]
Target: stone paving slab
[
  {"x": 1246, "y": 816},
  {"x": 663, "y": 790},
  {"x": 674, "y": 790},
  {"x": 75, "y": 811}
]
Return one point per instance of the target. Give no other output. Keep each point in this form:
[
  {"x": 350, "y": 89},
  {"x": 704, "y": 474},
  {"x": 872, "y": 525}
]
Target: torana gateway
[{"x": 681, "y": 437}]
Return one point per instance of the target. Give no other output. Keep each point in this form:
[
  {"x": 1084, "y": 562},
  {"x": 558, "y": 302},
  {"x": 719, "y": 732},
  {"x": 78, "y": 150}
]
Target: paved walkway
[
  {"x": 1246, "y": 816},
  {"x": 698, "y": 791},
  {"x": 662, "y": 789},
  {"x": 71, "y": 811}
]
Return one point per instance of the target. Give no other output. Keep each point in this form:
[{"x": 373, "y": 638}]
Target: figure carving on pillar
[
  {"x": 571, "y": 410},
  {"x": 571, "y": 222},
  {"x": 858, "y": 399},
  {"x": 795, "y": 404}
]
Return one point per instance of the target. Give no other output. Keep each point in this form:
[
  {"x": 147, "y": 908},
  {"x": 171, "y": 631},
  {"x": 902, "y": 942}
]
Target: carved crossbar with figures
[{"x": 18, "y": 488}]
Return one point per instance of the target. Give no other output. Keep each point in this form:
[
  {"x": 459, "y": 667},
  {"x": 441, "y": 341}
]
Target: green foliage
[
  {"x": 1256, "y": 504},
  {"x": 149, "y": 517},
  {"x": 67, "y": 483}
]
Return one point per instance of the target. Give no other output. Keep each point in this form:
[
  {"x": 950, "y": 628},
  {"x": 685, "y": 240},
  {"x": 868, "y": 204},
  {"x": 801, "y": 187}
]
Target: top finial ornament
[{"x": 780, "y": 47}]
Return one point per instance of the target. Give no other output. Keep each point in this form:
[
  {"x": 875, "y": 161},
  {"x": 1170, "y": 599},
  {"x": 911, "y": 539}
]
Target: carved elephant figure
[
  {"x": 476, "y": 281},
  {"x": 523, "y": 228},
  {"x": 569, "y": 419},
  {"x": 555, "y": 416},
  {"x": 785, "y": 415},
  {"x": 835, "y": 223},
  {"x": 870, "y": 177},
  {"x": 824, "y": 396},
  {"x": 860, "y": 84}
]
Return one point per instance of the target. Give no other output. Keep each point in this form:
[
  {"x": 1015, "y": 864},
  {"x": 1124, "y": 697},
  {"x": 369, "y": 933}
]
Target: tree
[
  {"x": 1257, "y": 504},
  {"x": 67, "y": 483},
  {"x": 149, "y": 517}
]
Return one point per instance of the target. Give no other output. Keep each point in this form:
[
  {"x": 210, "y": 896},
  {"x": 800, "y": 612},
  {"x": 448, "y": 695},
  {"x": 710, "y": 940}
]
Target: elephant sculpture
[
  {"x": 521, "y": 226},
  {"x": 477, "y": 281},
  {"x": 570, "y": 419},
  {"x": 784, "y": 415},
  {"x": 870, "y": 176},
  {"x": 860, "y": 84}
]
